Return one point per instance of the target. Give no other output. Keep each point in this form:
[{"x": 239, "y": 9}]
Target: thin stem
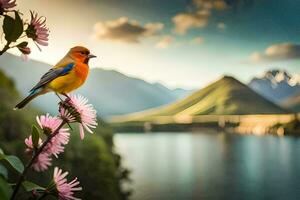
[
  {"x": 34, "y": 157},
  {"x": 5, "y": 48}
]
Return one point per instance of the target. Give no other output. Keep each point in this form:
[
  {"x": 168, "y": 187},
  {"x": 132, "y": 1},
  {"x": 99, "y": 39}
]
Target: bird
[{"x": 64, "y": 77}]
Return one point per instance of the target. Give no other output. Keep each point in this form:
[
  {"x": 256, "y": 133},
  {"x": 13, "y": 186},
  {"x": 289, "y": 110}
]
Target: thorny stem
[{"x": 34, "y": 157}]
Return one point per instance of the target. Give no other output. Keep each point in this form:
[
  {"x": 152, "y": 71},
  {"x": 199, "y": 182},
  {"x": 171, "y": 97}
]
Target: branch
[{"x": 5, "y": 48}]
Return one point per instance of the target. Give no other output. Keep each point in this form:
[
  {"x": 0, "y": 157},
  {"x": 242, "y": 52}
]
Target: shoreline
[{"x": 284, "y": 124}]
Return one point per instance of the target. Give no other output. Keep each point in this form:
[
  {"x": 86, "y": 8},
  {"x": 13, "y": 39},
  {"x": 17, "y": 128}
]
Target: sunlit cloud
[
  {"x": 124, "y": 30},
  {"x": 186, "y": 21},
  {"x": 197, "y": 40},
  {"x": 165, "y": 42},
  {"x": 211, "y": 4},
  {"x": 199, "y": 16},
  {"x": 277, "y": 52}
]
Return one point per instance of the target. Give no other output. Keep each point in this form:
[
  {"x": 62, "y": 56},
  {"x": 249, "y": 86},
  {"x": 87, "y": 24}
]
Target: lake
[{"x": 211, "y": 166}]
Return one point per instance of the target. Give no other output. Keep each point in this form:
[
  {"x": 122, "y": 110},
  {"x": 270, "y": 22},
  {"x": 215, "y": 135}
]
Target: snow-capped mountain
[
  {"x": 276, "y": 85},
  {"x": 295, "y": 80}
]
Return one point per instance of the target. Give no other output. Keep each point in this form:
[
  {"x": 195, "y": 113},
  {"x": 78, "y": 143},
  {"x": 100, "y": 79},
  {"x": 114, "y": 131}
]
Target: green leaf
[
  {"x": 35, "y": 136},
  {"x": 8, "y": 27},
  {"x": 29, "y": 186},
  {"x": 15, "y": 162},
  {"x": 3, "y": 171},
  {"x": 1, "y": 151},
  {"x": 5, "y": 190},
  {"x": 22, "y": 44},
  {"x": 19, "y": 28},
  {"x": 12, "y": 27}
]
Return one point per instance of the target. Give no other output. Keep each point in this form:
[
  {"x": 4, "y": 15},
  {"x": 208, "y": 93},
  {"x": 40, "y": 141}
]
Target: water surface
[{"x": 211, "y": 166}]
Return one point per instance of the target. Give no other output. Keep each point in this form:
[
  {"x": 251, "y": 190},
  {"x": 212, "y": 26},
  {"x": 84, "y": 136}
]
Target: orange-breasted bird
[{"x": 67, "y": 75}]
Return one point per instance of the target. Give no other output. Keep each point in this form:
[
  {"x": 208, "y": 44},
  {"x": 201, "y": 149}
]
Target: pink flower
[
  {"x": 56, "y": 145},
  {"x": 65, "y": 190},
  {"x": 49, "y": 125},
  {"x": 37, "y": 29},
  {"x": 5, "y": 5},
  {"x": 84, "y": 113},
  {"x": 42, "y": 162},
  {"x": 29, "y": 144},
  {"x": 65, "y": 114}
]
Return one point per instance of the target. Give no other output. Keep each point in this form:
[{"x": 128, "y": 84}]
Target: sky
[{"x": 180, "y": 43}]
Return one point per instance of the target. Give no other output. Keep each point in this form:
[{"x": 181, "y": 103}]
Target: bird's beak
[{"x": 91, "y": 56}]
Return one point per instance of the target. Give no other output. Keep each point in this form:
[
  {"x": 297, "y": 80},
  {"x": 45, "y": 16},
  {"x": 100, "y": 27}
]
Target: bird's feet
[
  {"x": 67, "y": 97},
  {"x": 63, "y": 103},
  {"x": 61, "y": 100},
  {"x": 59, "y": 97}
]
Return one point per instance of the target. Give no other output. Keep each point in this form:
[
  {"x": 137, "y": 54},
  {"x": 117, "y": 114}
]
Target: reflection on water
[{"x": 211, "y": 166}]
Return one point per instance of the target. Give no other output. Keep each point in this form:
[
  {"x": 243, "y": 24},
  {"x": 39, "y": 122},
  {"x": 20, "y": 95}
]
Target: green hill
[
  {"x": 227, "y": 96},
  {"x": 292, "y": 103},
  {"x": 13, "y": 125}
]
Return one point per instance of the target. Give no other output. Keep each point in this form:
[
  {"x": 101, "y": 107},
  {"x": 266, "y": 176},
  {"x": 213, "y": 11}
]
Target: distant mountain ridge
[
  {"x": 111, "y": 92},
  {"x": 292, "y": 103},
  {"x": 276, "y": 85},
  {"x": 226, "y": 96}
]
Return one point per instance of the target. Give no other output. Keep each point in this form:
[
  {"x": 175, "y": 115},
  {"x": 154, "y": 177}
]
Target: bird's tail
[{"x": 25, "y": 101}]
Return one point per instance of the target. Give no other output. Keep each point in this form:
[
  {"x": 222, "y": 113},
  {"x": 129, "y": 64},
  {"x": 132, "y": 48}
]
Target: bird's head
[{"x": 81, "y": 54}]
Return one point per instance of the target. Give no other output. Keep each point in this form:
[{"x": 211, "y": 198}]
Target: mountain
[
  {"x": 276, "y": 85},
  {"x": 292, "y": 103},
  {"x": 181, "y": 93},
  {"x": 112, "y": 92},
  {"x": 116, "y": 93},
  {"x": 224, "y": 97}
]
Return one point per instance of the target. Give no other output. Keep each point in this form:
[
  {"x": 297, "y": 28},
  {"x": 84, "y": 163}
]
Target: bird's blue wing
[{"x": 51, "y": 75}]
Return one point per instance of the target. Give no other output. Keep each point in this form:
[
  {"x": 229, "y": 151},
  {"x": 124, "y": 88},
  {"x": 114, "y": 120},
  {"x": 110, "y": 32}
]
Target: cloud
[
  {"x": 164, "y": 42},
  {"x": 211, "y": 4},
  {"x": 197, "y": 40},
  {"x": 199, "y": 16},
  {"x": 277, "y": 52},
  {"x": 221, "y": 26},
  {"x": 220, "y": 5},
  {"x": 123, "y": 30},
  {"x": 185, "y": 21}
]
